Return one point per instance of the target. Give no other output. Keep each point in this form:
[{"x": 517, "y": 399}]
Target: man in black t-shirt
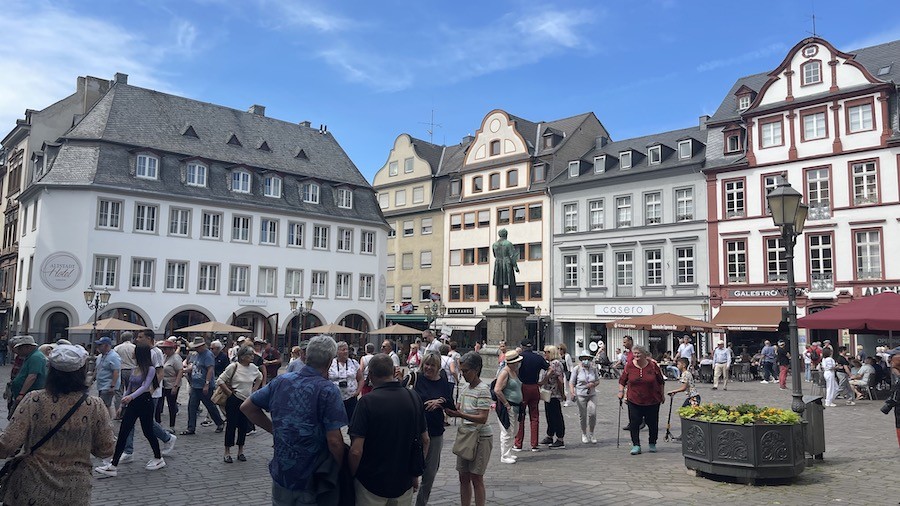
[
  {"x": 842, "y": 372},
  {"x": 783, "y": 359},
  {"x": 529, "y": 373},
  {"x": 384, "y": 426}
]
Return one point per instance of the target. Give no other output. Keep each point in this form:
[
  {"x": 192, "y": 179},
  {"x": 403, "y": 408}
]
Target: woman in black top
[{"x": 436, "y": 392}]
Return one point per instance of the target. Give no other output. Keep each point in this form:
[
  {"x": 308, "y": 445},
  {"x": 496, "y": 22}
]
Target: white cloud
[
  {"x": 290, "y": 13},
  {"x": 775, "y": 48},
  {"x": 873, "y": 39}
]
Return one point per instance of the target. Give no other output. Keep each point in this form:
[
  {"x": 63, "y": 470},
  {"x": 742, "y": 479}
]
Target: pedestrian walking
[
  {"x": 893, "y": 401},
  {"x": 239, "y": 380},
  {"x": 553, "y": 380},
  {"x": 201, "y": 367},
  {"x": 436, "y": 394},
  {"x": 33, "y": 372},
  {"x": 583, "y": 388},
  {"x": 831, "y": 385},
  {"x": 644, "y": 381},
  {"x": 125, "y": 350},
  {"x": 529, "y": 373},
  {"x": 783, "y": 359},
  {"x": 768, "y": 362},
  {"x": 107, "y": 368},
  {"x": 173, "y": 371},
  {"x": 474, "y": 407},
  {"x": 722, "y": 360},
  {"x": 508, "y": 391}
]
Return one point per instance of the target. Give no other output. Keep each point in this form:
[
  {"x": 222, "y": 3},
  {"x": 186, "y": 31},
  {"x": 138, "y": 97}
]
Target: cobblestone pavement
[{"x": 861, "y": 459}]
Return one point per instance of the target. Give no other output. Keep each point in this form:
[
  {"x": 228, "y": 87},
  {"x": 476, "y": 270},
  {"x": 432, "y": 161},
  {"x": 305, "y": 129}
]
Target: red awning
[{"x": 876, "y": 312}]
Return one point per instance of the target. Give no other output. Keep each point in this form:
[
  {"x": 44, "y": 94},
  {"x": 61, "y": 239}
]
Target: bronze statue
[{"x": 506, "y": 266}]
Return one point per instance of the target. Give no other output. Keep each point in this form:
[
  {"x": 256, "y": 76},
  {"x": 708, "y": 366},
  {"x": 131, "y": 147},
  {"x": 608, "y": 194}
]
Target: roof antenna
[
  {"x": 813, "y": 8},
  {"x": 432, "y": 126}
]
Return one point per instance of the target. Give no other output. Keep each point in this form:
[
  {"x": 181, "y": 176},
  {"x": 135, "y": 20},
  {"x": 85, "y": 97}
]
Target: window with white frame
[
  {"x": 425, "y": 293},
  {"x": 179, "y": 222},
  {"x": 406, "y": 261},
  {"x": 268, "y": 231},
  {"x": 141, "y": 273},
  {"x": 390, "y": 294},
  {"x": 652, "y": 208},
  {"x": 208, "y": 278},
  {"x": 570, "y": 271},
  {"x": 296, "y": 231},
  {"x": 574, "y": 168},
  {"x": 868, "y": 254},
  {"x": 406, "y": 292},
  {"x": 425, "y": 259},
  {"x": 392, "y": 232},
  {"x": 293, "y": 283},
  {"x": 176, "y": 275},
  {"x": 240, "y": 181},
  {"x": 684, "y": 257},
  {"x": 237, "y": 279},
  {"x": 147, "y": 167},
  {"x": 736, "y": 260},
  {"x": 105, "y": 271},
  {"x": 625, "y": 268},
  {"x": 418, "y": 194},
  {"x": 400, "y": 198},
  {"x": 145, "y": 218},
  {"x": 342, "y": 285},
  {"x": 625, "y": 160},
  {"x": 814, "y": 126},
  {"x": 367, "y": 242},
  {"x": 595, "y": 207},
  {"x": 734, "y": 198},
  {"x": 684, "y": 204},
  {"x": 366, "y": 287},
  {"x": 733, "y": 143},
  {"x": 345, "y": 240},
  {"x": 320, "y": 237},
  {"x": 812, "y": 72},
  {"x": 428, "y": 225},
  {"x": 770, "y": 182},
  {"x": 272, "y": 186},
  {"x": 393, "y": 168},
  {"x": 623, "y": 211},
  {"x": 821, "y": 262},
  {"x": 744, "y": 103},
  {"x": 597, "y": 271},
  {"x": 211, "y": 225},
  {"x": 409, "y": 228},
  {"x": 384, "y": 200},
  {"x": 600, "y": 164},
  {"x": 570, "y": 218},
  {"x": 408, "y": 166},
  {"x": 684, "y": 149},
  {"x": 654, "y": 155},
  {"x": 860, "y": 118},
  {"x": 196, "y": 174},
  {"x": 310, "y": 193},
  {"x": 865, "y": 183},
  {"x": 345, "y": 198},
  {"x": 240, "y": 228},
  {"x": 455, "y": 257},
  {"x": 654, "y": 272},
  {"x": 109, "y": 214},
  {"x": 770, "y": 133},
  {"x": 268, "y": 280},
  {"x": 319, "y": 284},
  {"x": 818, "y": 193}
]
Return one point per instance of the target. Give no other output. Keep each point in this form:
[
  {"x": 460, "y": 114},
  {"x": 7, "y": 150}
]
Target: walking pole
[
  {"x": 669, "y": 421},
  {"x": 619, "y": 426}
]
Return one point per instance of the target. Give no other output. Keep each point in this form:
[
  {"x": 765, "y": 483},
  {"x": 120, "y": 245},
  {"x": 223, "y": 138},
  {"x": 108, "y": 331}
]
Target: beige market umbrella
[
  {"x": 396, "y": 330},
  {"x": 215, "y": 327},
  {"x": 109, "y": 324},
  {"x": 662, "y": 321},
  {"x": 331, "y": 328}
]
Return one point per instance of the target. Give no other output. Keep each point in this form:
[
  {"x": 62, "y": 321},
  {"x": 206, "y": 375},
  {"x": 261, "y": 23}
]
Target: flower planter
[{"x": 743, "y": 451}]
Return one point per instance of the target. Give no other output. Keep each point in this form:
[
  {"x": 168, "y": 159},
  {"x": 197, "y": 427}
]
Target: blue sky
[{"x": 371, "y": 70}]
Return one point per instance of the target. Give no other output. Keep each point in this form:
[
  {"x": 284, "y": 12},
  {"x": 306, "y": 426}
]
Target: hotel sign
[
  {"x": 60, "y": 271},
  {"x": 253, "y": 301}
]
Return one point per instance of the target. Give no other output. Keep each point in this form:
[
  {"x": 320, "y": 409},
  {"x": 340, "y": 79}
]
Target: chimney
[
  {"x": 600, "y": 142},
  {"x": 323, "y": 129},
  {"x": 468, "y": 139},
  {"x": 92, "y": 90},
  {"x": 121, "y": 78},
  {"x": 305, "y": 123},
  {"x": 259, "y": 110},
  {"x": 703, "y": 120}
]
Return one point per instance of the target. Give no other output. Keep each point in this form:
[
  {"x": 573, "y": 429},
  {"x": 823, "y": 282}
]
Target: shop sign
[
  {"x": 253, "y": 301},
  {"x": 623, "y": 309},
  {"x": 461, "y": 310},
  {"x": 60, "y": 271},
  {"x": 875, "y": 290},
  {"x": 772, "y": 292}
]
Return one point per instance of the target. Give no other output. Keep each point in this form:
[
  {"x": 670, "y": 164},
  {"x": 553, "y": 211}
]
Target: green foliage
[{"x": 744, "y": 414}]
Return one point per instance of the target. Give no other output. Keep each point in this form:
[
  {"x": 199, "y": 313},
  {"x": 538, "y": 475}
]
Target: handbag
[
  {"x": 416, "y": 449},
  {"x": 545, "y": 395},
  {"x": 220, "y": 396},
  {"x": 466, "y": 443},
  {"x": 11, "y": 464}
]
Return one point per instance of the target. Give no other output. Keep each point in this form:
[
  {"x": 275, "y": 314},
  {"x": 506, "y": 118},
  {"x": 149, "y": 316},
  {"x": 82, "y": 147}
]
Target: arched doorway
[
  {"x": 298, "y": 323},
  {"x": 26, "y": 323},
  {"x": 124, "y": 315},
  {"x": 257, "y": 323},
  {"x": 184, "y": 319},
  {"x": 57, "y": 327},
  {"x": 358, "y": 322}
]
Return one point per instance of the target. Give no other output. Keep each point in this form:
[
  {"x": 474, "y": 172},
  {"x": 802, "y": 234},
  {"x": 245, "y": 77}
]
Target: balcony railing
[
  {"x": 819, "y": 210},
  {"x": 822, "y": 282},
  {"x": 870, "y": 274}
]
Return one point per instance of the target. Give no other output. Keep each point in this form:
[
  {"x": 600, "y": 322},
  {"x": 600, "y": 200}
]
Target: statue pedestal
[{"x": 504, "y": 323}]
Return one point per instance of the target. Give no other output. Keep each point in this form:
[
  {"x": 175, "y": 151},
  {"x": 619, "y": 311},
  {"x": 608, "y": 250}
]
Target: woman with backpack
[{"x": 583, "y": 387}]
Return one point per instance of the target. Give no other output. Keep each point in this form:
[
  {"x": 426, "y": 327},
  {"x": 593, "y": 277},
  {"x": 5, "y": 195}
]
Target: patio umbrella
[
  {"x": 396, "y": 330},
  {"x": 215, "y": 327},
  {"x": 873, "y": 313},
  {"x": 662, "y": 321},
  {"x": 331, "y": 328},
  {"x": 109, "y": 324}
]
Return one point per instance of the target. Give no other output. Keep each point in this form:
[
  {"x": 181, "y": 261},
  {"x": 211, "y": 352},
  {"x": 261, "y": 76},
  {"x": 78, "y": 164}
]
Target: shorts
[
  {"x": 478, "y": 465},
  {"x": 859, "y": 383},
  {"x": 107, "y": 397}
]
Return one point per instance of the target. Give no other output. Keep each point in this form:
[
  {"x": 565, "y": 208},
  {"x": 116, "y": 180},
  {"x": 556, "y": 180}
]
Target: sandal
[
  {"x": 242, "y": 458},
  {"x": 228, "y": 459}
]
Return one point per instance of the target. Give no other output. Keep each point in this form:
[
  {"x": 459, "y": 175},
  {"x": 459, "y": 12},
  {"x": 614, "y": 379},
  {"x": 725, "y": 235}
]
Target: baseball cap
[{"x": 104, "y": 340}]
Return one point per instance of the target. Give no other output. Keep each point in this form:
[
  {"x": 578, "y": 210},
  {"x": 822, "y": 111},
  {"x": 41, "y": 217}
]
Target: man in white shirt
[
  {"x": 722, "y": 359},
  {"x": 432, "y": 344},
  {"x": 125, "y": 350},
  {"x": 686, "y": 350},
  {"x": 387, "y": 347}
]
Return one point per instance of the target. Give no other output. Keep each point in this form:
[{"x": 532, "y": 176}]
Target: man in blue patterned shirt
[{"x": 307, "y": 416}]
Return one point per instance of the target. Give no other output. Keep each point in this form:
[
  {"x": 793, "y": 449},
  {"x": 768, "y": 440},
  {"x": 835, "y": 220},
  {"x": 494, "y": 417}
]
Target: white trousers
[
  {"x": 508, "y": 436},
  {"x": 720, "y": 369},
  {"x": 831, "y": 386}
]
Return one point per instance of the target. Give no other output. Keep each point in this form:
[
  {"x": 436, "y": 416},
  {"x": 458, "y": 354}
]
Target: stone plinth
[{"x": 504, "y": 323}]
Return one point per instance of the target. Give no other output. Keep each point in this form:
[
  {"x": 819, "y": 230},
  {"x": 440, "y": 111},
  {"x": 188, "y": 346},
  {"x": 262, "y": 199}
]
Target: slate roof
[{"x": 429, "y": 152}]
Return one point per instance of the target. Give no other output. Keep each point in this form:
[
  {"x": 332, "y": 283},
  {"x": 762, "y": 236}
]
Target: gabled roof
[
  {"x": 429, "y": 152},
  {"x": 564, "y": 127}
]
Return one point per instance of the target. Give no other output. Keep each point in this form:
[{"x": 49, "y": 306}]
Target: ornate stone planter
[{"x": 743, "y": 451}]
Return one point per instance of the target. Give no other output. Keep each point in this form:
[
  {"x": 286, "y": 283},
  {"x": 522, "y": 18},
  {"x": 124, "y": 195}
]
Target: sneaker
[
  {"x": 584, "y": 438},
  {"x": 126, "y": 458},
  {"x": 724, "y": 388},
  {"x": 652, "y": 448},
  {"x": 547, "y": 440},
  {"x": 252, "y": 432},
  {"x": 516, "y": 448},
  {"x": 206, "y": 423},
  {"x": 155, "y": 464},
  {"x": 107, "y": 470},
  {"x": 851, "y": 403},
  {"x": 764, "y": 382},
  {"x": 506, "y": 460},
  {"x": 566, "y": 404},
  {"x": 714, "y": 388},
  {"x": 168, "y": 446},
  {"x": 635, "y": 450},
  {"x": 535, "y": 449},
  {"x": 220, "y": 428},
  {"x": 593, "y": 440},
  {"x": 783, "y": 388},
  {"x": 558, "y": 445}
]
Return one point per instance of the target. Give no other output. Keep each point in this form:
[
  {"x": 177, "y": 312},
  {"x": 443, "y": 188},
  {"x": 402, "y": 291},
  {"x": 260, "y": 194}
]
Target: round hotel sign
[{"x": 60, "y": 271}]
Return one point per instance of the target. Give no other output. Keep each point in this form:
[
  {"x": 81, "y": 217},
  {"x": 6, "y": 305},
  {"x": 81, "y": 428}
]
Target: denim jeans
[
  {"x": 286, "y": 497},
  {"x": 158, "y": 431},
  {"x": 197, "y": 396}
]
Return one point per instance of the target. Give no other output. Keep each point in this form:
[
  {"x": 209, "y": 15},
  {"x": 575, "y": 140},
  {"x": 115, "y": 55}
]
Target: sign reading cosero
[
  {"x": 623, "y": 309},
  {"x": 60, "y": 271}
]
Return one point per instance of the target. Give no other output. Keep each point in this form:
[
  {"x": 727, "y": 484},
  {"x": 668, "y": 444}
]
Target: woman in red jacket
[{"x": 644, "y": 380}]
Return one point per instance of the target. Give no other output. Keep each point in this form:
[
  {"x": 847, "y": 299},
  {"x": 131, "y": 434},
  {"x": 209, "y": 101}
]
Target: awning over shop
[
  {"x": 457, "y": 323},
  {"x": 751, "y": 318},
  {"x": 391, "y": 317}
]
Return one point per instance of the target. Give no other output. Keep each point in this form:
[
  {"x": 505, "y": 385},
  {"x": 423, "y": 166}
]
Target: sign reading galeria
[
  {"x": 60, "y": 271},
  {"x": 620, "y": 310}
]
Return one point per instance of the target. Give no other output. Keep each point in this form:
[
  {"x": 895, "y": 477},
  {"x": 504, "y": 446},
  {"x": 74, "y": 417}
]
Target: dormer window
[
  {"x": 495, "y": 148},
  {"x": 654, "y": 154},
  {"x": 574, "y": 168},
  {"x": 455, "y": 187},
  {"x": 599, "y": 164},
  {"x": 310, "y": 193},
  {"x": 684, "y": 149},
  {"x": 147, "y": 167},
  {"x": 345, "y": 198},
  {"x": 812, "y": 72},
  {"x": 240, "y": 181},
  {"x": 744, "y": 103},
  {"x": 272, "y": 186},
  {"x": 625, "y": 160},
  {"x": 548, "y": 141},
  {"x": 196, "y": 174},
  {"x": 234, "y": 141}
]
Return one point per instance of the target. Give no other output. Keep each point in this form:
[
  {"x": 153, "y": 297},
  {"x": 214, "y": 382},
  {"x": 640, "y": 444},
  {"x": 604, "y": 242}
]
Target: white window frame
[
  {"x": 367, "y": 242},
  {"x": 179, "y": 222},
  {"x": 418, "y": 194},
  {"x": 685, "y": 149},
  {"x": 146, "y": 167},
  {"x": 653, "y": 214},
  {"x": 599, "y": 164},
  {"x": 570, "y": 271},
  {"x": 272, "y": 186},
  {"x": 570, "y": 217},
  {"x": 309, "y": 192},
  {"x": 861, "y": 118},
  {"x": 771, "y": 134},
  {"x": 399, "y": 198},
  {"x": 319, "y": 284},
  {"x": 176, "y": 276},
  {"x": 343, "y": 285},
  {"x": 384, "y": 200},
  {"x": 238, "y": 279},
  {"x": 345, "y": 240},
  {"x": 267, "y": 284},
  {"x": 685, "y": 261},
  {"x": 684, "y": 204},
  {"x": 623, "y": 156},
  {"x": 868, "y": 254},
  {"x": 390, "y": 294},
  {"x": 366, "y": 287},
  {"x": 237, "y": 232},
  {"x": 320, "y": 237},
  {"x": 240, "y": 181},
  {"x": 597, "y": 276},
  {"x": 142, "y": 270},
  {"x": 296, "y": 233},
  {"x": 818, "y": 192},
  {"x": 106, "y": 272},
  {"x": 345, "y": 198},
  {"x": 735, "y": 199},
  {"x": 406, "y": 261},
  {"x": 146, "y": 218},
  {"x": 293, "y": 283},
  {"x": 574, "y": 168},
  {"x": 111, "y": 218},
  {"x": 211, "y": 226},
  {"x": 814, "y": 126},
  {"x": 865, "y": 182},
  {"x": 427, "y": 226},
  {"x": 625, "y": 268},
  {"x": 821, "y": 262},
  {"x": 393, "y": 168},
  {"x": 268, "y": 231},
  {"x": 408, "y": 165},
  {"x": 624, "y": 211},
  {"x": 736, "y": 261},
  {"x": 654, "y": 155},
  {"x": 196, "y": 174},
  {"x": 208, "y": 278},
  {"x": 653, "y": 274},
  {"x": 744, "y": 103},
  {"x": 596, "y": 214},
  {"x": 812, "y": 72},
  {"x": 425, "y": 259}
]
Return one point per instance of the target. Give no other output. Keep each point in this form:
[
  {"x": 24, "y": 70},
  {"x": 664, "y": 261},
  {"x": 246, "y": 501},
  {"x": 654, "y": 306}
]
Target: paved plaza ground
[{"x": 861, "y": 465}]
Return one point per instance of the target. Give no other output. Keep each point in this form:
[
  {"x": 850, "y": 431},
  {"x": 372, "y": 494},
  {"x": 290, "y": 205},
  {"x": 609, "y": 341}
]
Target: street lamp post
[
  {"x": 432, "y": 311},
  {"x": 537, "y": 312},
  {"x": 96, "y": 301},
  {"x": 789, "y": 214},
  {"x": 305, "y": 310},
  {"x": 704, "y": 305}
]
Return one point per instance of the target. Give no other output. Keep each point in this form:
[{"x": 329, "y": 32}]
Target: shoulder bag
[
  {"x": 416, "y": 450},
  {"x": 11, "y": 464},
  {"x": 220, "y": 396}
]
